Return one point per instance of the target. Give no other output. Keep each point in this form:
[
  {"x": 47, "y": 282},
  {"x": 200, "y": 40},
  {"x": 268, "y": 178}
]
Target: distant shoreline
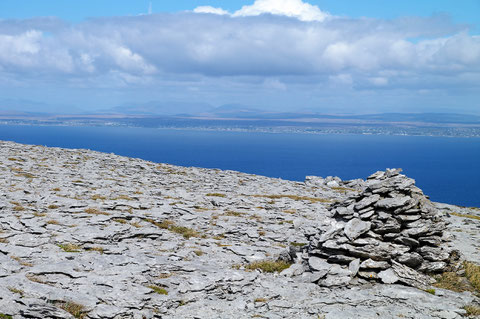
[{"x": 226, "y": 126}]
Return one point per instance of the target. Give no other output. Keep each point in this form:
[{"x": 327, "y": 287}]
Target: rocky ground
[{"x": 92, "y": 235}]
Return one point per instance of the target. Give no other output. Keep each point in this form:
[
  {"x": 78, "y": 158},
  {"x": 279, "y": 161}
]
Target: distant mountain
[{"x": 158, "y": 108}]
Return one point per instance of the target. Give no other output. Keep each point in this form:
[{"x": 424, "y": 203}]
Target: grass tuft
[
  {"x": 269, "y": 266},
  {"x": 70, "y": 248},
  {"x": 94, "y": 211},
  {"x": 472, "y": 311},
  {"x": 158, "y": 290},
  {"x": 216, "y": 195},
  {"x": 170, "y": 225},
  {"x": 16, "y": 291},
  {"x": 73, "y": 308},
  {"x": 472, "y": 272},
  {"x": 465, "y": 215},
  {"x": 430, "y": 291},
  {"x": 295, "y": 197}
]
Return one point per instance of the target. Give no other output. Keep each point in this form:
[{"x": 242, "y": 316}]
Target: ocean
[{"x": 446, "y": 169}]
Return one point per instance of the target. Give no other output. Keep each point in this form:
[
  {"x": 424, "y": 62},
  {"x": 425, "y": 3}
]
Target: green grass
[
  {"x": 269, "y": 266},
  {"x": 4, "y": 316},
  {"x": 430, "y": 291},
  {"x": 158, "y": 290}
]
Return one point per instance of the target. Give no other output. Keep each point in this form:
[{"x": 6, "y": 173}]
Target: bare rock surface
[{"x": 119, "y": 237}]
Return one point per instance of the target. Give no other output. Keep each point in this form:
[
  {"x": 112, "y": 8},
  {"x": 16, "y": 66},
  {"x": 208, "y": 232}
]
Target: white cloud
[
  {"x": 290, "y": 8},
  {"x": 209, "y": 9},
  {"x": 276, "y": 52}
]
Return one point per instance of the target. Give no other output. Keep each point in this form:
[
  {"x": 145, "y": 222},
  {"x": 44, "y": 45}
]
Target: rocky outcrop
[
  {"x": 101, "y": 236},
  {"x": 390, "y": 232}
]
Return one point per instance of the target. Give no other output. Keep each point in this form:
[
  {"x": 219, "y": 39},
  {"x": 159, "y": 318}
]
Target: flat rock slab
[{"x": 127, "y": 238}]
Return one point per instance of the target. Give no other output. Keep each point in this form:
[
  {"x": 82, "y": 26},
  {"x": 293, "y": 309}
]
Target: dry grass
[
  {"x": 53, "y": 206},
  {"x": 94, "y": 211},
  {"x": 269, "y": 266},
  {"x": 26, "y": 175},
  {"x": 472, "y": 311},
  {"x": 120, "y": 220},
  {"x": 37, "y": 214},
  {"x": 233, "y": 213},
  {"x": 21, "y": 262},
  {"x": 453, "y": 281},
  {"x": 343, "y": 189},
  {"x": 73, "y": 308},
  {"x": 136, "y": 224},
  {"x": 53, "y": 222},
  {"x": 97, "y": 196},
  {"x": 16, "y": 291},
  {"x": 97, "y": 249},
  {"x": 18, "y": 208},
  {"x": 216, "y": 195},
  {"x": 170, "y": 225},
  {"x": 465, "y": 215},
  {"x": 472, "y": 272},
  {"x": 124, "y": 197},
  {"x": 295, "y": 197},
  {"x": 70, "y": 248},
  {"x": 198, "y": 252},
  {"x": 260, "y": 300}
]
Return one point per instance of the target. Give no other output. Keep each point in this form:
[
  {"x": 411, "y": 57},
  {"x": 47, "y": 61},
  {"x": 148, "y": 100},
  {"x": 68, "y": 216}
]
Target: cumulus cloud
[
  {"x": 209, "y": 9},
  {"x": 271, "y": 48},
  {"x": 290, "y": 8}
]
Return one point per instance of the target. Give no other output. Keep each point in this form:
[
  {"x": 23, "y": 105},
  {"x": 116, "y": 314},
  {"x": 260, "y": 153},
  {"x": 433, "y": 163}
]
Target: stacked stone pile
[{"x": 389, "y": 232}]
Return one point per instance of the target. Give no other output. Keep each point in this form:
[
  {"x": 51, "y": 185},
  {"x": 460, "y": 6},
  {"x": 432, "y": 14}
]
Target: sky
[{"x": 323, "y": 56}]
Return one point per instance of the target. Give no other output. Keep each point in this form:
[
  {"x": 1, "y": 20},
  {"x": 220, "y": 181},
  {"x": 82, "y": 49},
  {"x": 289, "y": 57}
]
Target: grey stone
[
  {"x": 372, "y": 264},
  {"x": 355, "y": 228},
  {"x": 334, "y": 280},
  {"x": 388, "y": 276},
  {"x": 412, "y": 260},
  {"x": 433, "y": 253},
  {"x": 367, "y": 201},
  {"x": 391, "y": 203},
  {"x": 354, "y": 266},
  {"x": 407, "y": 241},
  {"x": 318, "y": 264}
]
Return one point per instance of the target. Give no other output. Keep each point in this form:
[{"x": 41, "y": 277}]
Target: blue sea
[{"x": 447, "y": 169}]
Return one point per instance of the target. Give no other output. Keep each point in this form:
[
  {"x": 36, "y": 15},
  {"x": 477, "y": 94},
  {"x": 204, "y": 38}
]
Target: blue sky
[
  {"x": 327, "y": 56},
  {"x": 464, "y": 11}
]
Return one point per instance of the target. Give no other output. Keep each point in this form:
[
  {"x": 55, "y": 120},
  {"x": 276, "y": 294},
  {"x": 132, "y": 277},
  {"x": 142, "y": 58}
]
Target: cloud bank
[{"x": 282, "y": 42}]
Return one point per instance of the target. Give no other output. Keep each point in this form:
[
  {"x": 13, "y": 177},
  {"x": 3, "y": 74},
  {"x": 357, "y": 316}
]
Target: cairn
[{"x": 390, "y": 232}]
